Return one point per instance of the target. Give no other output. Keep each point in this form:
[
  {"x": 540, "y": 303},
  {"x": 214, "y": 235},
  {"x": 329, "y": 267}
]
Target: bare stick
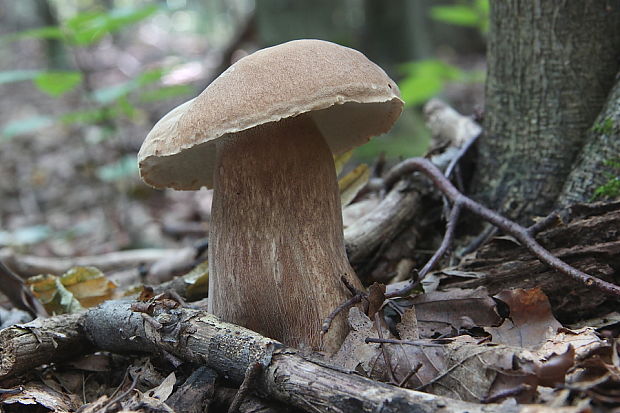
[
  {"x": 430, "y": 264},
  {"x": 20, "y": 296},
  {"x": 454, "y": 162},
  {"x": 349, "y": 303},
  {"x": 423, "y": 343},
  {"x": 246, "y": 387},
  {"x": 520, "y": 233}
]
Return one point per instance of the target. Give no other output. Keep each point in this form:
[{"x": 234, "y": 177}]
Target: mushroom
[{"x": 262, "y": 136}]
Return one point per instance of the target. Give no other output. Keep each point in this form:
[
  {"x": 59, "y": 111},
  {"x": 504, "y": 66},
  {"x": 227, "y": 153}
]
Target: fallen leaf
[
  {"x": 530, "y": 322},
  {"x": 351, "y": 183},
  {"x": 445, "y": 313},
  {"x": 341, "y": 160}
]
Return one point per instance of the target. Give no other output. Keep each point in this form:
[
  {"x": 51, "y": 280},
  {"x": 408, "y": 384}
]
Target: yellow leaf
[
  {"x": 351, "y": 183},
  {"x": 340, "y": 160},
  {"x": 198, "y": 281},
  {"x": 88, "y": 285},
  {"x": 77, "y": 288}
]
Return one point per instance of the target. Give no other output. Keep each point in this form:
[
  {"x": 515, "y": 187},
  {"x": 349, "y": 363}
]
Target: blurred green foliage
[
  {"x": 425, "y": 79},
  {"x": 88, "y": 27},
  {"x": 473, "y": 13},
  {"x": 104, "y": 104}
]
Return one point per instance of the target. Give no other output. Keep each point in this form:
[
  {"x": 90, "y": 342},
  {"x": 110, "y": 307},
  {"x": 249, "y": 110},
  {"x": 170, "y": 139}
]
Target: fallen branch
[
  {"x": 29, "y": 265},
  {"x": 383, "y": 223},
  {"x": 201, "y": 338},
  {"x": 42, "y": 341},
  {"x": 509, "y": 227}
]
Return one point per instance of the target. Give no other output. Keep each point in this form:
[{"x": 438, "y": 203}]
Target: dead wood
[
  {"x": 41, "y": 341},
  {"x": 586, "y": 236},
  {"x": 383, "y": 223},
  {"x": 521, "y": 234},
  {"x": 30, "y": 265},
  {"x": 199, "y": 337}
]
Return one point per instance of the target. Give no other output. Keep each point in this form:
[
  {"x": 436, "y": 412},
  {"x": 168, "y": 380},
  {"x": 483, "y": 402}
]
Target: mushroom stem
[{"x": 276, "y": 252}]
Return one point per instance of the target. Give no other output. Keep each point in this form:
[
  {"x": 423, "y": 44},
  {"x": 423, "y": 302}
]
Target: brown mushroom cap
[{"x": 350, "y": 99}]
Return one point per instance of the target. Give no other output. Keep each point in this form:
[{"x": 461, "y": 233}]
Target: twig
[
  {"x": 123, "y": 394},
  {"x": 16, "y": 390},
  {"x": 512, "y": 392},
  {"x": 413, "y": 371},
  {"x": 430, "y": 264},
  {"x": 246, "y": 386},
  {"x": 386, "y": 356},
  {"x": 454, "y": 162},
  {"x": 544, "y": 223},
  {"x": 20, "y": 296},
  {"x": 488, "y": 232},
  {"x": 407, "y": 342},
  {"x": 349, "y": 303},
  {"x": 520, "y": 233}
]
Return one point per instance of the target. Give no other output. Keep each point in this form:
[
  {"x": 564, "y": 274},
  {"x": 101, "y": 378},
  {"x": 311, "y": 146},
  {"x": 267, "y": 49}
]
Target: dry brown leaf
[
  {"x": 408, "y": 326},
  {"x": 463, "y": 368},
  {"x": 530, "y": 322},
  {"x": 164, "y": 390},
  {"x": 355, "y": 354},
  {"x": 376, "y": 298},
  {"x": 444, "y": 313}
]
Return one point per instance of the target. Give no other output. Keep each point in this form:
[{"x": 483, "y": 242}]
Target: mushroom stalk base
[{"x": 276, "y": 247}]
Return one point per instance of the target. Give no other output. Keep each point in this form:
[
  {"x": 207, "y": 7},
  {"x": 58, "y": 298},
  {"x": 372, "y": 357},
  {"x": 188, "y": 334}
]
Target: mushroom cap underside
[{"x": 349, "y": 98}]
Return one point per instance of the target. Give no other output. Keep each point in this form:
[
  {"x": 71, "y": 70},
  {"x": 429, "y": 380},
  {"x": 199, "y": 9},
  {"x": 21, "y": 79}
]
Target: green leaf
[
  {"x": 110, "y": 94},
  {"x": 150, "y": 76},
  {"x": 426, "y": 78},
  {"x": 459, "y": 15},
  {"x": 27, "y": 125},
  {"x": 57, "y": 83},
  {"x": 49, "y": 32},
  {"x": 87, "y": 28},
  {"x": 87, "y": 116},
  {"x": 11, "y": 76},
  {"x": 166, "y": 92},
  {"x": 124, "y": 107}
]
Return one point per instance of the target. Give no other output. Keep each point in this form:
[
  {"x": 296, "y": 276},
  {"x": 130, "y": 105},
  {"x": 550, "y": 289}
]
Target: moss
[{"x": 611, "y": 189}]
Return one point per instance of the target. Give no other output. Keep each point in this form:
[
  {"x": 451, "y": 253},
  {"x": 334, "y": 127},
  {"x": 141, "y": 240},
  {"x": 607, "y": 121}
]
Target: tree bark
[
  {"x": 550, "y": 67},
  {"x": 602, "y": 145}
]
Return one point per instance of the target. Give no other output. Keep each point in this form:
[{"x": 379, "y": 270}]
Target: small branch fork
[{"x": 460, "y": 201}]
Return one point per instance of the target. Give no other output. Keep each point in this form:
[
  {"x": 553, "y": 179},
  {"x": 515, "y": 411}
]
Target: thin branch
[
  {"x": 430, "y": 264},
  {"x": 454, "y": 162},
  {"x": 386, "y": 355},
  {"x": 20, "y": 296},
  {"x": 423, "y": 343},
  {"x": 520, "y": 233},
  {"x": 349, "y": 303},
  {"x": 248, "y": 384}
]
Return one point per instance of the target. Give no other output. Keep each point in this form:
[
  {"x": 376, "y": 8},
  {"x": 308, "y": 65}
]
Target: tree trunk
[
  {"x": 551, "y": 66},
  {"x": 602, "y": 145}
]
